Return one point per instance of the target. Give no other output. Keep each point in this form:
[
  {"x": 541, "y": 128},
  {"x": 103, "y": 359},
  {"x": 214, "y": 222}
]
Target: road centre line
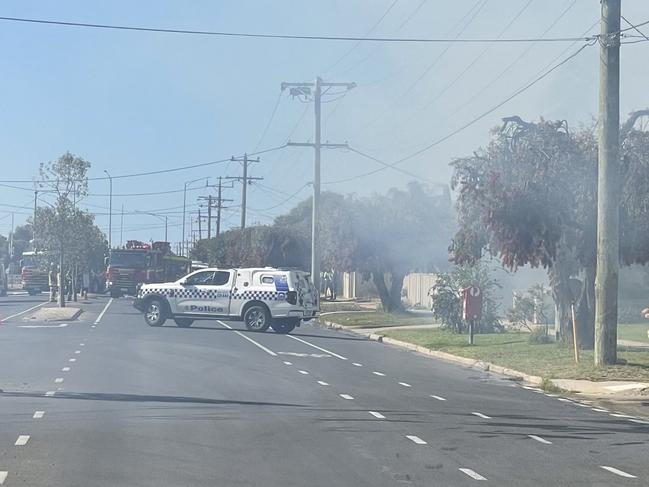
[
  {"x": 317, "y": 347},
  {"x": 58, "y": 380},
  {"x": 82, "y": 344},
  {"x": 416, "y": 439},
  {"x": 3, "y": 476},
  {"x": 540, "y": 440},
  {"x": 288, "y": 363},
  {"x": 376, "y": 415},
  {"x": 439, "y": 398},
  {"x": 103, "y": 311},
  {"x": 480, "y": 415},
  {"x": 356, "y": 364},
  {"x": 303, "y": 372},
  {"x": 38, "y": 414},
  {"x": 323, "y": 383},
  {"x": 77, "y": 351},
  {"x": 346, "y": 396},
  {"x": 65, "y": 369},
  {"x": 404, "y": 384},
  {"x": 380, "y": 374},
  {"x": 22, "y": 440},
  {"x": 472, "y": 473},
  {"x": 24, "y": 311},
  {"x": 255, "y": 343},
  {"x": 72, "y": 360},
  {"x": 618, "y": 472}
]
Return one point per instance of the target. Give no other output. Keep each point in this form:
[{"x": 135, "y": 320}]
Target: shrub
[{"x": 539, "y": 336}]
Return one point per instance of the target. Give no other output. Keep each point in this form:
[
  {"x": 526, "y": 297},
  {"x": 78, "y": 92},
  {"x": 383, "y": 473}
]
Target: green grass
[
  {"x": 377, "y": 319},
  {"x": 512, "y": 350},
  {"x": 635, "y": 331}
]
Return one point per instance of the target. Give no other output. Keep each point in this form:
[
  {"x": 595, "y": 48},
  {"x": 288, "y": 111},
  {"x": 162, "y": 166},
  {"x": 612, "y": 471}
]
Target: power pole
[
  {"x": 200, "y": 233},
  {"x": 304, "y": 89},
  {"x": 34, "y": 220},
  {"x": 608, "y": 178},
  {"x": 121, "y": 228},
  {"x": 215, "y": 202},
  {"x": 209, "y": 216},
  {"x": 245, "y": 180}
]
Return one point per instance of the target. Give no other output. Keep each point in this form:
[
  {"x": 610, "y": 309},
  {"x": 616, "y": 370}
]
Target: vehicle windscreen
[{"x": 135, "y": 260}]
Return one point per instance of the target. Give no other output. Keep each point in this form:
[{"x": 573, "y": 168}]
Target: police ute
[{"x": 260, "y": 297}]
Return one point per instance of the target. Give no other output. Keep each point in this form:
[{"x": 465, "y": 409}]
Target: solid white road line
[
  {"x": 62, "y": 325},
  {"x": 22, "y": 440},
  {"x": 480, "y": 415},
  {"x": 3, "y": 477},
  {"x": 540, "y": 440},
  {"x": 346, "y": 396},
  {"x": 322, "y": 383},
  {"x": 356, "y": 364},
  {"x": 317, "y": 347},
  {"x": 376, "y": 415},
  {"x": 49, "y": 393},
  {"x": 72, "y": 360},
  {"x": 416, "y": 439},
  {"x": 256, "y": 344},
  {"x": 58, "y": 380},
  {"x": 380, "y": 374},
  {"x": 618, "y": 472},
  {"x": 303, "y": 372},
  {"x": 439, "y": 398},
  {"x": 38, "y": 414},
  {"x": 404, "y": 384},
  {"x": 103, "y": 311},
  {"x": 24, "y": 311},
  {"x": 639, "y": 421},
  {"x": 65, "y": 369},
  {"x": 618, "y": 415},
  {"x": 563, "y": 399},
  {"x": 288, "y": 363},
  {"x": 471, "y": 473},
  {"x": 599, "y": 410}
]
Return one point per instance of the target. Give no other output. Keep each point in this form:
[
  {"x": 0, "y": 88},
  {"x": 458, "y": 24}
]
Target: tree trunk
[
  {"x": 61, "y": 281},
  {"x": 561, "y": 295},
  {"x": 390, "y": 295},
  {"x": 586, "y": 310}
]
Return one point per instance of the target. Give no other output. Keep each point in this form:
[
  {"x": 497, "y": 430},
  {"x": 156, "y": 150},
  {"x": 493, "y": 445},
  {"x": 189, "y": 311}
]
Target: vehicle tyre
[
  {"x": 154, "y": 313},
  {"x": 114, "y": 293},
  {"x": 257, "y": 318},
  {"x": 32, "y": 292},
  {"x": 284, "y": 326},
  {"x": 183, "y": 322}
]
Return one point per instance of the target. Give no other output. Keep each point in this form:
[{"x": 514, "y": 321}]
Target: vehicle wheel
[
  {"x": 154, "y": 314},
  {"x": 284, "y": 326},
  {"x": 114, "y": 293},
  {"x": 183, "y": 322},
  {"x": 31, "y": 292},
  {"x": 257, "y": 318}
]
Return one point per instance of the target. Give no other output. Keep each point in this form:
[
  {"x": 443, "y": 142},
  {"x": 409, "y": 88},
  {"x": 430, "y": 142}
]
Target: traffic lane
[
  {"x": 178, "y": 434},
  {"x": 541, "y": 415},
  {"x": 12, "y": 306}
]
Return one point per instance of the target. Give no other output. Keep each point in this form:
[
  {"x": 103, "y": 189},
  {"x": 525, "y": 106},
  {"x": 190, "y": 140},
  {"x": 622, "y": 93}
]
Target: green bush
[{"x": 539, "y": 336}]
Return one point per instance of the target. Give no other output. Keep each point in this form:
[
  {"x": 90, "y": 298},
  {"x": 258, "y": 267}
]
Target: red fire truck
[{"x": 142, "y": 263}]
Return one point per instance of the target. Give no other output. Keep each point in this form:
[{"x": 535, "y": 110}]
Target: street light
[
  {"x": 110, "y": 211},
  {"x": 182, "y": 245},
  {"x": 157, "y": 216}
]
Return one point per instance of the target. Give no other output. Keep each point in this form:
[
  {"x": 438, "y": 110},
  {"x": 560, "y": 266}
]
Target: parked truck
[{"x": 34, "y": 273}]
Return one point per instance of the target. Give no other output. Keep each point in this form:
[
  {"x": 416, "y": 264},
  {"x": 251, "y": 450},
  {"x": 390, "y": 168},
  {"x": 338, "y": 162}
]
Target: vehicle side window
[
  {"x": 200, "y": 278},
  {"x": 221, "y": 278}
]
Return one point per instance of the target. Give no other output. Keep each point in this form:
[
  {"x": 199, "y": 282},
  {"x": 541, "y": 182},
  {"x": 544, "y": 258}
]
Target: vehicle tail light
[{"x": 291, "y": 297}]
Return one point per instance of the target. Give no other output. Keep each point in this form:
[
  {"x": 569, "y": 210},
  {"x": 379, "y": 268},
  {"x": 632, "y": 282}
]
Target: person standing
[
  {"x": 85, "y": 283},
  {"x": 53, "y": 281}
]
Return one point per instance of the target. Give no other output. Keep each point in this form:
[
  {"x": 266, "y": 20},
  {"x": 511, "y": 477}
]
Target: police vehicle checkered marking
[
  {"x": 260, "y": 295},
  {"x": 189, "y": 293}
]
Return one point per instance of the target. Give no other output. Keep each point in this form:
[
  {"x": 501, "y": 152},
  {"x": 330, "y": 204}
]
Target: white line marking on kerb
[
  {"x": 346, "y": 396},
  {"x": 303, "y": 372},
  {"x": 3, "y": 477},
  {"x": 626, "y": 416},
  {"x": 404, "y": 384},
  {"x": 618, "y": 472},
  {"x": 62, "y": 325},
  {"x": 356, "y": 364},
  {"x": 639, "y": 421},
  {"x": 256, "y": 344},
  {"x": 38, "y": 414},
  {"x": 439, "y": 398},
  {"x": 103, "y": 311},
  {"x": 471, "y": 473},
  {"x": 480, "y": 415},
  {"x": 599, "y": 410},
  {"x": 323, "y": 383},
  {"x": 65, "y": 369},
  {"x": 72, "y": 360},
  {"x": 49, "y": 393},
  {"x": 380, "y": 374},
  {"x": 25, "y": 311},
  {"x": 376, "y": 415},
  {"x": 317, "y": 347},
  {"x": 58, "y": 380},
  {"x": 22, "y": 440},
  {"x": 288, "y": 363},
  {"x": 416, "y": 439},
  {"x": 540, "y": 440},
  {"x": 563, "y": 399}
]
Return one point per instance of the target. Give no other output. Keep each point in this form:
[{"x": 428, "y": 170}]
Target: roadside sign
[{"x": 472, "y": 303}]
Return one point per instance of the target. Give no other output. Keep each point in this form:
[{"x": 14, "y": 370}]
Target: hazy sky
[{"x": 132, "y": 102}]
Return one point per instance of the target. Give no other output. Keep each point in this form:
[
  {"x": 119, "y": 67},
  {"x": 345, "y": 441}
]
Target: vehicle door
[{"x": 194, "y": 296}]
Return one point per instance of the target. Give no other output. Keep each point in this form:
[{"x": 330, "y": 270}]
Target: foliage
[
  {"x": 529, "y": 309},
  {"x": 539, "y": 336},
  {"x": 447, "y": 303},
  {"x": 23, "y": 236}
]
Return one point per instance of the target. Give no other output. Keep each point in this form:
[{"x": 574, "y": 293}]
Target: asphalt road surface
[{"x": 109, "y": 401}]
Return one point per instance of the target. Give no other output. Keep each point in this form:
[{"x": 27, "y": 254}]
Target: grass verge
[
  {"x": 636, "y": 332},
  {"x": 512, "y": 350},
  {"x": 377, "y": 319}
]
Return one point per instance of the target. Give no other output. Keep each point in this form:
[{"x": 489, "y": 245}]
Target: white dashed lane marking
[
  {"x": 540, "y": 440},
  {"x": 317, "y": 347},
  {"x": 380, "y": 374},
  {"x": 480, "y": 415},
  {"x": 304, "y": 372},
  {"x": 65, "y": 369},
  {"x": 3, "y": 476},
  {"x": 22, "y": 440},
  {"x": 103, "y": 311},
  {"x": 38, "y": 414},
  {"x": 618, "y": 472},
  {"x": 323, "y": 383},
  {"x": 288, "y": 363},
  {"x": 439, "y": 398},
  {"x": 416, "y": 439},
  {"x": 376, "y": 415},
  {"x": 404, "y": 384},
  {"x": 72, "y": 360},
  {"x": 58, "y": 380},
  {"x": 82, "y": 344},
  {"x": 49, "y": 393},
  {"x": 471, "y": 473},
  {"x": 356, "y": 364},
  {"x": 346, "y": 396},
  {"x": 256, "y": 344},
  {"x": 77, "y": 351}
]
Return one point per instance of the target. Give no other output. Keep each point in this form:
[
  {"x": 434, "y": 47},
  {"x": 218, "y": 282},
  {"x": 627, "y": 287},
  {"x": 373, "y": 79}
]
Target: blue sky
[{"x": 131, "y": 102}]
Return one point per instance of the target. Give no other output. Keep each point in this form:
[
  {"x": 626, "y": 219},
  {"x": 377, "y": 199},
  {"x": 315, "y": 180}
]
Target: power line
[
  {"x": 635, "y": 27},
  {"x": 286, "y": 36},
  {"x": 270, "y": 120},
  {"x": 283, "y": 202}
]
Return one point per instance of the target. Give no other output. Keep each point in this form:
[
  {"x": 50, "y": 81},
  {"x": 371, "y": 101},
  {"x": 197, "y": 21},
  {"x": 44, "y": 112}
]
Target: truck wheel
[
  {"x": 257, "y": 318},
  {"x": 284, "y": 326},
  {"x": 183, "y": 322},
  {"x": 154, "y": 314}
]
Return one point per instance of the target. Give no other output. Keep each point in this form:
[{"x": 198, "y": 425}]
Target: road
[{"x": 108, "y": 400}]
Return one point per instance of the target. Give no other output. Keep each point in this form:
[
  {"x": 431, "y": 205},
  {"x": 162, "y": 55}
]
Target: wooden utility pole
[
  {"x": 608, "y": 185},
  {"x": 215, "y": 202},
  {"x": 245, "y": 180}
]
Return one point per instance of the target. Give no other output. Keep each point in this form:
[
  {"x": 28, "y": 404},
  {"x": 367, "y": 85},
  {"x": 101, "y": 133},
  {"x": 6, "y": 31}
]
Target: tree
[{"x": 23, "y": 236}]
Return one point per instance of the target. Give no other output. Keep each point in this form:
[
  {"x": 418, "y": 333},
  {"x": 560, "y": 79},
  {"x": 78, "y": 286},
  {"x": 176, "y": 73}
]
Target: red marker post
[{"x": 472, "y": 310}]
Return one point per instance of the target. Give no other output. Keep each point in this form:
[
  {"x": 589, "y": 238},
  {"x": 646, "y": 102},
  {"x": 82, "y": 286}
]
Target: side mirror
[{"x": 183, "y": 282}]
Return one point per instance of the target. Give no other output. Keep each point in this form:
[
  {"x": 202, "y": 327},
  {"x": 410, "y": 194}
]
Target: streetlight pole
[
  {"x": 110, "y": 211},
  {"x": 182, "y": 245}
]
